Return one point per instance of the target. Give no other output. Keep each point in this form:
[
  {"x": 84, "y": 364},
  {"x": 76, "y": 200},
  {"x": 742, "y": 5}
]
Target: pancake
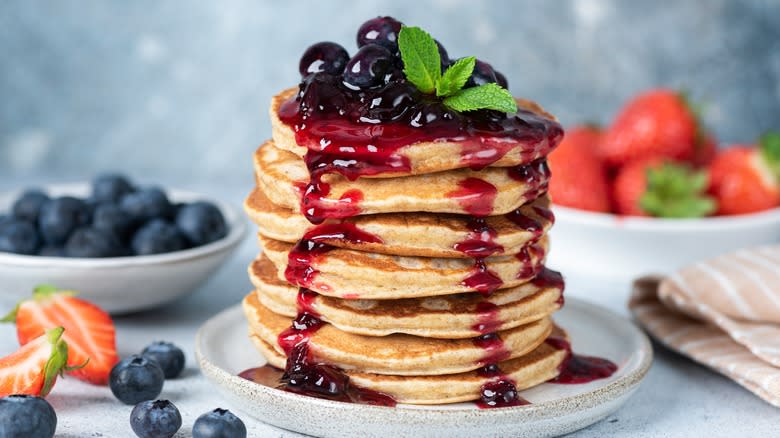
[
  {"x": 534, "y": 368},
  {"x": 346, "y": 273},
  {"x": 449, "y": 317},
  {"x": 282, "y": 176},
  {"x": 396, "y": 354},
  {"x": 408, "y": 234},
  {"x": 436, "y": 156}
]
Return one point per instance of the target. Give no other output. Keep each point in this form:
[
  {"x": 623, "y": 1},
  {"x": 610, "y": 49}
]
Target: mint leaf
[
  {"x": 769, "y": 145},
  {"x": 422, "y": 63},
  {"x": 456, "y": 76},
  {"x": 486, "y": 96}
]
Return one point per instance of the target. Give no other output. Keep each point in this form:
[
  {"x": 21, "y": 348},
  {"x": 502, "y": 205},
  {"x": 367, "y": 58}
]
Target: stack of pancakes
[{"x": 434, "y": 288}]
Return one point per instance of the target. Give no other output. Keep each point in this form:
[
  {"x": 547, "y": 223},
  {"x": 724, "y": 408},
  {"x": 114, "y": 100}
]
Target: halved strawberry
[
  {"x": 89, "y": 330},
  {"x": 33, "y": 369}
]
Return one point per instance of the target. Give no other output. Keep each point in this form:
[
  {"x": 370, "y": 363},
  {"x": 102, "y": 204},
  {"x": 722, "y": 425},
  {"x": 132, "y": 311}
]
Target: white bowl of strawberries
[{"x": 652, "y": 192}]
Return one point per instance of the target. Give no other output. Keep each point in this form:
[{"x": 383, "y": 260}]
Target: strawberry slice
[
  {"x": 33, "y": 369},
  {"x": 89, "y": 330}
]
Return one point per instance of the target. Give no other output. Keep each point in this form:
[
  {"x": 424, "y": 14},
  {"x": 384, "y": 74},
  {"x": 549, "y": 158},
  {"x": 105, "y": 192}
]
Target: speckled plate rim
[{"x": 423, "y": 415}]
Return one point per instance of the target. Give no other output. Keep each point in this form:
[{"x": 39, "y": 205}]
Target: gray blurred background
[{"x": 177, "y": 91}]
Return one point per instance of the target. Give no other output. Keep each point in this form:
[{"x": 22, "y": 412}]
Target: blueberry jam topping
[
  {"x": 354, "y": 117},
  {"x": 577, "y": 368}
]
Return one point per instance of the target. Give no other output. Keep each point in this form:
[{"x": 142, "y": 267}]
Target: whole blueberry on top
[
  {"x": 59, "y": 217},
  {"x": 369, "y": 66},
  {"x": 26, "y": 416},
  {"x": 145, "y": 204},
  {"x": 168, "y": 356},
  {"x": 155, "y": 419},
  {"x": 28, "y": 206},
  {"x": 135, "y": 379},
  {"x": 483, "y": 74},
  {"x": 92, "y": 242},
  {"x": 219, "y": 423},
  {"x": 110, "y": 187},
  {"x": 380, "y": 30},
  {"x": 201, "y": 223},
  {"x": 325, "y": 57},
  {"x": 19, "y": 237},
  {"x": 443, "y": 56},
  {"x": 501, "y": 79},
  {"x": 157, "y": 237},
  {"x": 112, "y": 219}
]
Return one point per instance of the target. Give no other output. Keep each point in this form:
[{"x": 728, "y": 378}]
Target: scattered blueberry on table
[
  {"x": 26, "y": 416},
  {"x": 117, "y": 219},
  {"x": 219, "y": 423},
  {"x": 155, "y": 419},
  {"x": 168, "y": 356},
  {"x": 136, "y": 379}
]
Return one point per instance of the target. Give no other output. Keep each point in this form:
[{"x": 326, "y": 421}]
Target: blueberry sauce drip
[
  {"x": 500, "y": 391},
  {"x": 301, "y": 260},
  {"x": 577, "y": 368},
  {"x": 479, "y": 245},
  {"x": 547, "y": 278}
]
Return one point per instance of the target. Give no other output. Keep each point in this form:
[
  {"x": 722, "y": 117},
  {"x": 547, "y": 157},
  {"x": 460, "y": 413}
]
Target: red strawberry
[
  {"x": 89, "y": 330},
  {"x": 744, "y": 178},
  {"x": 657, "y": 123},
  {"x": 706, "y": 149},
  {"x": 580, "y": 179},
  {"x": 33, "y": 368},
  {"x": 663, "y": 189}
]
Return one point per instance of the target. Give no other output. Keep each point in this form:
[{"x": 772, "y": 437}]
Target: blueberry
[
  {"x": 168, "y": 356},
  {"x": 483, "y": 74},
  {"x": 146, "y": 204},
  {"x": 380, "y": 30},
  {"x": 157, "y": 237},
  {"x": 135, "y": 379},
  {"x": 112, "y": 219},
  {"x": 52, "y": 251},
  {"x": 110, "y": 187},
  {"x": 501, "y": 79},
  {"x": 219, "y": 423},
  {"x": 155, "y": 419},
  {"x": 59, "y": 217},
  {"x": 201, "y": 223},
  {"x": 28, "y": 206},
  {"x": 368, "y": 67},
  {"x": 92, "y": 242},
  {"x": 26, "y": 416},
  {"x": 19, "y": 237},
  {"x": 325, "y": 57}
]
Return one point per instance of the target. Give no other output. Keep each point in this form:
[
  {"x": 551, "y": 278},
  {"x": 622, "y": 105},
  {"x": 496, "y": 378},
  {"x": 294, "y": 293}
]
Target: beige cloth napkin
[{"x": 723, "y": 313}]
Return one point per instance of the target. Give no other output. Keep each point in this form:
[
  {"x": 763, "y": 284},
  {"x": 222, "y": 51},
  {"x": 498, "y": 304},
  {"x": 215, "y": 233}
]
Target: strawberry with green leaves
[
  {"x": 655, "y": 124},
  {"x": 659, "y": 188},
  {"x": 580, "y": 178},
  {"x": 746, "y": 179},
  {"x": 89, "y": 330},
  {"x": 33, "y": 369}
]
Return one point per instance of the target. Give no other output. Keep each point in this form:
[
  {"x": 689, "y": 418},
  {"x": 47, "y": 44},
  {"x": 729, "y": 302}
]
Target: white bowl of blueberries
[{"x": 125, "y": 248}]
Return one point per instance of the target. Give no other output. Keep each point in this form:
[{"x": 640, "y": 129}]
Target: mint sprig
[
  {"x": 422, "y": 67},
  {"x": 422, "y": 63}
]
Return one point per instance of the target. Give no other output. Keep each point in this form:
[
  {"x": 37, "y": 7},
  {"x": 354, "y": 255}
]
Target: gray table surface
[{"x": 679, "y": 398}]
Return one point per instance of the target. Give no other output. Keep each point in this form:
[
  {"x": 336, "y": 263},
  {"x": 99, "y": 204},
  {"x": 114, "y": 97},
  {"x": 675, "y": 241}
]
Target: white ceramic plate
[
  {"x": 119, "y": 284},
  {"x": 223, "y": 349}
]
